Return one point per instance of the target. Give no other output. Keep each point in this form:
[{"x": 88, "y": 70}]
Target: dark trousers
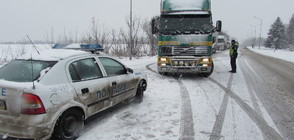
[{"x": 233, "y": 63}]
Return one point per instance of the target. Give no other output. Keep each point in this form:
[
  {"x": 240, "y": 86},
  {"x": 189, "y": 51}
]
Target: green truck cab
[{"x": 185, "y": 39}]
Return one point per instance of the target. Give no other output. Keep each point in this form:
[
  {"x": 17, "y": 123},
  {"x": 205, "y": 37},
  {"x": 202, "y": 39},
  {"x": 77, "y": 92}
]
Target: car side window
[
  {"x": 112, "y": 67},
  {"x": 85, "y": 69}
]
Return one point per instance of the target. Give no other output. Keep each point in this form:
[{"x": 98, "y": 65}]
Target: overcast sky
[{"x": 37, "y": 18}]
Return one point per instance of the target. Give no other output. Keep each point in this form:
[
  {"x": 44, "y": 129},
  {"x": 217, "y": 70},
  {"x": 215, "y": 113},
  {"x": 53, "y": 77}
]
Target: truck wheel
[
  {"x": 140, "y": 92},
  {"x": 69, "y": 125}
]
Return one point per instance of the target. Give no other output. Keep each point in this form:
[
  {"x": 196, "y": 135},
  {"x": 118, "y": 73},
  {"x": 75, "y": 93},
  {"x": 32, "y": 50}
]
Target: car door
[
  {"x": 92, "y": 88},
  {"x": 122, "y": 81}
]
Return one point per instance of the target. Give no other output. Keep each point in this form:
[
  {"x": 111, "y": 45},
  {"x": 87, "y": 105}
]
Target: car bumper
[{"x": 21, "y": 127}]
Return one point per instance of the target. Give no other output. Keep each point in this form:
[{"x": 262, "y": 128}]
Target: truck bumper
[{"x": 194, "y": 70}]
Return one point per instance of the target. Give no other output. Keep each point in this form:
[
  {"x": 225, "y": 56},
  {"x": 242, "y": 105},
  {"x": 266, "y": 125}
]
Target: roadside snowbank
[{"x": 280, "y": 54}]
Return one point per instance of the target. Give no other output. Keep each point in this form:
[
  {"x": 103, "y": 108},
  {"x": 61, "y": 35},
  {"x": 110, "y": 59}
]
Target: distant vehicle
[
  {"x": 49, "y": 95},
  {"x": 221, "y": 43},
  {"x": 184, "y": 31}
]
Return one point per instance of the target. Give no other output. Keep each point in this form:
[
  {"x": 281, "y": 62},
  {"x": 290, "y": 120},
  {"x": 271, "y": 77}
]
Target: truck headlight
[
  {"x": 175, "y": 63},
  {"x": 192, "y": 63},
  {"x": 205, "y": 65},
  {"x": 181, "y": 63},
  {"x": 205, "y": 60},
  {"x": 163, "y": 59}
]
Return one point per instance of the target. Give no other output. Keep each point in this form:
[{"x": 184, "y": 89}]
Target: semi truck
[
  {"x": 184, "y": 30},
  {"x": 221, "y": 43}
]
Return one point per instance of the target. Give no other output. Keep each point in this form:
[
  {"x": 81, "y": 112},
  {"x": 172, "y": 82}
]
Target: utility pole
[
  {"x": 131, "y": 30},
  {"x": 260, "y": 29},
  {"x": 254, "y": 35}
]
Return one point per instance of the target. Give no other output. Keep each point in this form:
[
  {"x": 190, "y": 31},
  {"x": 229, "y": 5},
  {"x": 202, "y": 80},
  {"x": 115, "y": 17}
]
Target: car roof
[{"x": 55, "y": 54}]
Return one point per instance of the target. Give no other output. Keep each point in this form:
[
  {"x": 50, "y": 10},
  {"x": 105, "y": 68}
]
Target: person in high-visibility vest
[{"x": 233, "y": 55}]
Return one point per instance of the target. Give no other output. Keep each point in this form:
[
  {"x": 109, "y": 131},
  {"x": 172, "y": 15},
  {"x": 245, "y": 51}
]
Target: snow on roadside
[{"x": 280, "y": 54}]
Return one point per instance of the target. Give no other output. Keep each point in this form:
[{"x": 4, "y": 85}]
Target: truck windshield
[
  {"x": 185, "y": 24},
  {"x": 21, "y": 70}
]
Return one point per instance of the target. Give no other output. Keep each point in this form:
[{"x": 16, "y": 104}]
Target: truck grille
[
  {"x": 184, "y": 51},
  {"x": 194, "y": 50}
]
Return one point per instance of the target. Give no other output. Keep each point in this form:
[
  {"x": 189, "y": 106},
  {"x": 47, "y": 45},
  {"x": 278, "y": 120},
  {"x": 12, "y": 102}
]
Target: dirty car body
[{"x": 49, "y": 95}]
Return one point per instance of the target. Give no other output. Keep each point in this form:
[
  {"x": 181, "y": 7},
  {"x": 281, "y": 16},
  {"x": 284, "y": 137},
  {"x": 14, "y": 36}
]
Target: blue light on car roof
[
  {"x": 91, "y": 46},
  {"x": 85, "y": 47}
]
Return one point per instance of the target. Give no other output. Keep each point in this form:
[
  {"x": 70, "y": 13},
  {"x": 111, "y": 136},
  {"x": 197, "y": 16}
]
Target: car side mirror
[
  {"x": 130, "y": 70},
  {"x": 218, "y": 26}
]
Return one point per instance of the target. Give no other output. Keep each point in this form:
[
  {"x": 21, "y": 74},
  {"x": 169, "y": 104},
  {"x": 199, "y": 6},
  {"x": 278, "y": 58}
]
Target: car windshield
[
  {"x": 24, "y": 70},
  {"x": 189, "y": 24}
]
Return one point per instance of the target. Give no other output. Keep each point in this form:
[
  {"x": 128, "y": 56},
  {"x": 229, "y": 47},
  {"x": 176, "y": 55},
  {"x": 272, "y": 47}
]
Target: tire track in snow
[
  {"x": 187, "y": 124},
  {"x": 268, "y": 131},
  {"x": 220, "y": 118}
]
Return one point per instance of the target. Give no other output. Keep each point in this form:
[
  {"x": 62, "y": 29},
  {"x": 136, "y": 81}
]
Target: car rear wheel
[{"x": 69, "y": 125}]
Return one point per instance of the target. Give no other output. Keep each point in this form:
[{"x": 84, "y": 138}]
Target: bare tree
[
  {"x": 152, "y": 40},
  {"x": 131, "y": 37},
  {"x": 49, "y": 38},
  {"x": 97, "y": 33}
]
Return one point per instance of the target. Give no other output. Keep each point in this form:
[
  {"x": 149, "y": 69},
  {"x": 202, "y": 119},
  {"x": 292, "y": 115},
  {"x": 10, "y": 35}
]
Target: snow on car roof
[{"x": 53, "y": 54}]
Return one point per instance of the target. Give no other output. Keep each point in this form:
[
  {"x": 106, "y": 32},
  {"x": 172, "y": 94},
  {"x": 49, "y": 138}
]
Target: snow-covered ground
[
  {"x": 280, "y": 54},
  {"x": 215, "y": 114},
  {"x": 222, "y": 107}
]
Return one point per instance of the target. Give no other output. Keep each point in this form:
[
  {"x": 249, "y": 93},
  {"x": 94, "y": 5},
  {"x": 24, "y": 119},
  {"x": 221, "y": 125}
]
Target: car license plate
[{"x": 2, "y": 105}]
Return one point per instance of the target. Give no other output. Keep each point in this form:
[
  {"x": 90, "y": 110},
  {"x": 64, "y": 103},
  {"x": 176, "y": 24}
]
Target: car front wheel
[{"x": 140, "y": 92}]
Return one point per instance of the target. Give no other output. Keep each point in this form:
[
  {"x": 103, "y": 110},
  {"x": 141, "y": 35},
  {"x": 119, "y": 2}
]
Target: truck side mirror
[
  {"x": 218, "y": 26},
  {"x": 154, "y": 27}
]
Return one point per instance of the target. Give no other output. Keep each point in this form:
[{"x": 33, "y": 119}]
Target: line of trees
[
  {"x": 281, "y": 36},
  {"x": 118, "y": 43}
]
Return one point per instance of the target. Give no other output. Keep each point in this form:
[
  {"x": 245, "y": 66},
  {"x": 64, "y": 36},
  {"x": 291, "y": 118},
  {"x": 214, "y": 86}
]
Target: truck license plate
[{"x": 2, "y": 105}]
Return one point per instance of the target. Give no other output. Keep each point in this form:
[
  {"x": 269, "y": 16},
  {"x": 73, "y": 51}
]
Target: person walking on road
[{"x": 233, "y": 55}]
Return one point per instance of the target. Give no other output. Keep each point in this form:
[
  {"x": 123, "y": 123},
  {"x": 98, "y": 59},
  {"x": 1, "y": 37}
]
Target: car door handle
[
  {"x": 114, "y": 83},
  {"x": 85, "y": 90}
]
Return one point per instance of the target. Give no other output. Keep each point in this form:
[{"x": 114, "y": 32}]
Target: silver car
[{"x": 49, "y": 94}]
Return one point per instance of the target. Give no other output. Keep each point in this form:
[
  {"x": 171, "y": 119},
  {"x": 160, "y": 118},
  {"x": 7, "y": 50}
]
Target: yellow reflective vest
[{"x": 234, "y": 50}]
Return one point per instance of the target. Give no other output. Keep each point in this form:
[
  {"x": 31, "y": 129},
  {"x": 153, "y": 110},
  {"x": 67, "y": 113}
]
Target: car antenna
[
  {"x": 32, "y": 66},
  {"x": 33, "y": 44}
]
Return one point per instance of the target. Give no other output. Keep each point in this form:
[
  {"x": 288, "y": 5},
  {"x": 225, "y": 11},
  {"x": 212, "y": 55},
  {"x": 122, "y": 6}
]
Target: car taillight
[{"x": 32, "y": 104}]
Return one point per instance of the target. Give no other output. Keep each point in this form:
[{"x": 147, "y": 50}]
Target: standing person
[{"x": 233, "y": 55}]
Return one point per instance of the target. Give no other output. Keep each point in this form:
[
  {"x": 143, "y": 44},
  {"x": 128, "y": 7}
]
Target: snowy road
[{"x": 251, "y": 104}]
